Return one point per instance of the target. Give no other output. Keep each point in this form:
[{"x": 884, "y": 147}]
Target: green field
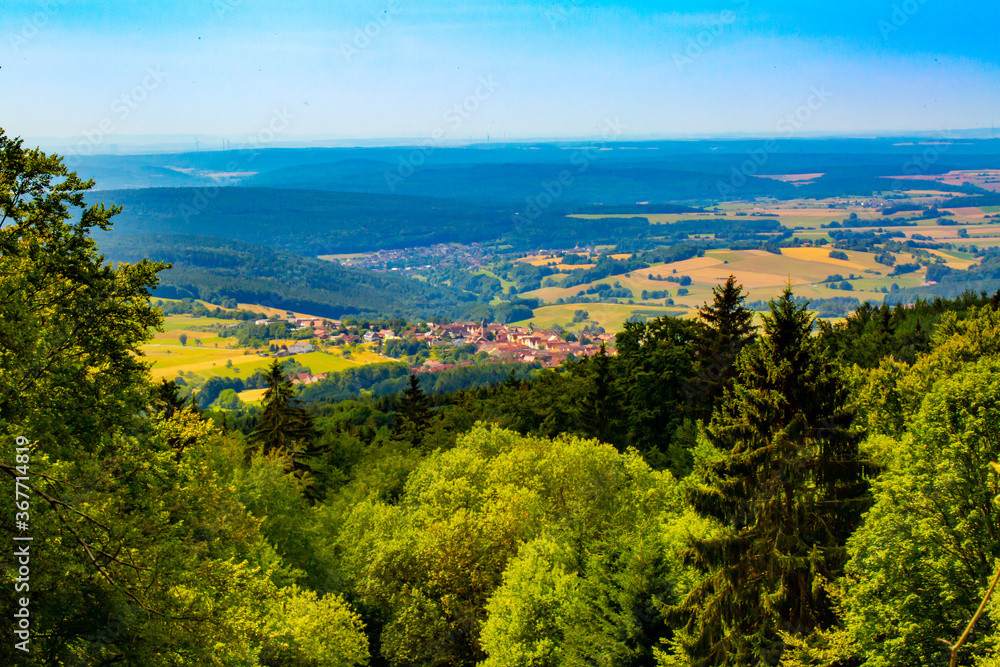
[
  {"x": 174, "y": 322},
  {"x": 504, "y": 283},
  {"x": 609, "y": 315},
  {"x": 169, "y": 357}
]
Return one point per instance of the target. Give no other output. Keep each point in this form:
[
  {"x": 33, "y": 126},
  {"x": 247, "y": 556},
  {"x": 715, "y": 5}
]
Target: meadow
[{"x": 206, "y": 354}]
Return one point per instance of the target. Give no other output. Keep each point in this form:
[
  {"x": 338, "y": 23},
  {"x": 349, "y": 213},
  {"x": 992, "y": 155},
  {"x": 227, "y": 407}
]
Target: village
[{"x": 482, "y": 342}]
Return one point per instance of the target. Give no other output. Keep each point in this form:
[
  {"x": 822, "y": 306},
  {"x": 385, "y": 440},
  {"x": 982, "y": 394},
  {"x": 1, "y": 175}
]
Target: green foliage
[
  {"x": 285, "y": 429},
  {"x": 143, "y": 554},
  {"x": 927, "y": 549},
  {"x": 306, "y": 630},
  {"x": 414, "y": 414},
  {"x": 439, "y": 561},
  {"x": 728, "y": 329},
  {"x": 790, "y": 489},
  {"x": 228, "y": 400}
]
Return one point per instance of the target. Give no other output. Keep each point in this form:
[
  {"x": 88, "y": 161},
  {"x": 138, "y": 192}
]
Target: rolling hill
[{"x": 215, "y": 269}]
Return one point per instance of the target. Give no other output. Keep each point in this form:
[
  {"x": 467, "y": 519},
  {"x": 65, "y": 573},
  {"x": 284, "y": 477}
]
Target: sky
[{"x": 108, "y": 71}]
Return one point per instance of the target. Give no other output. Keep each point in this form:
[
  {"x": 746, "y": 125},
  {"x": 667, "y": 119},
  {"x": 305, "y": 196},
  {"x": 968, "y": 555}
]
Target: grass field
[
  {"x": 537, "y": 260},
  {"x": 505, "y": 284},
  {"x": 169, "y": 357},
  {"x": 609, "y": 315},
  {"x": 252, "y": 396}
]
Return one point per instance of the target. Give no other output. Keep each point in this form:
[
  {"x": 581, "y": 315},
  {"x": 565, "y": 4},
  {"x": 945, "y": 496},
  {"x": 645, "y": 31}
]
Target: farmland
[
  {"x": 206, "y": 354},
  {"x": 808, "y": 267}
]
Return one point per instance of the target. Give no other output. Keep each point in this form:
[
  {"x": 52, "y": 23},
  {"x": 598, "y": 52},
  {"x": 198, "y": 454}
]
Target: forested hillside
[
  {"x": 216, "y": 270},
  {"x": 615, "y": 173},
  {"x": 304, "y": 221},
  {"x": 319, "y": 223},
  {"x": 706, "y": 492}
]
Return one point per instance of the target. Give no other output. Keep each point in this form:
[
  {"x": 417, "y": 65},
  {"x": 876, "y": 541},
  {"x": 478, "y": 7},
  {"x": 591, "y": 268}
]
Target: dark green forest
[
  {"x": 217, "y": 270},
  {"x": 705, "y": 492}
]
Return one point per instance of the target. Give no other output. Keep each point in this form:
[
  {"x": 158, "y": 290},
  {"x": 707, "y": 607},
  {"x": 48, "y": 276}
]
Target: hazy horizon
[{"x": 110, "y": 71}]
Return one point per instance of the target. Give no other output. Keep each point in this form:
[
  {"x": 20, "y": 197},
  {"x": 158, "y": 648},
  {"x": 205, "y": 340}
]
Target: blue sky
[{"x": 305, "y": 70}]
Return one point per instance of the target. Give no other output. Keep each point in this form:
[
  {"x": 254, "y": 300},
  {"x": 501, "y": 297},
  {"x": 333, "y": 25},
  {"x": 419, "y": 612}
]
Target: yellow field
[
  {"x": 609, "y": 315},
  {"x": 169, "y": 357},
  {"x": 207, "y": 338},
  {"x": 821, "y": 255},
  {"x": 342, "y": 257},
  {"x": 969, "y": 211},
  {"x": 953, "y": 262},
  {"x": 762, "y": 274},
  {"x": 272, "y": 312},
  {"x": 252, "y": 396}
]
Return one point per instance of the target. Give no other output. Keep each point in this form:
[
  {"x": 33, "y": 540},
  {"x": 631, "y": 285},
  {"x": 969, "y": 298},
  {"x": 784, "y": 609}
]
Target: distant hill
[
  {"x": 215, "y": 269},
  {"x": 584, "y": 180},
  {"x": 306, "y": 221},
  {"x": 314, "y": 223},
  {"x": 613, "y": 173}
]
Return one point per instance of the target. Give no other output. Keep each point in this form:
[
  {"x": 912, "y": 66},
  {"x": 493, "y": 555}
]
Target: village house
[{"x": 306, "y": 378}]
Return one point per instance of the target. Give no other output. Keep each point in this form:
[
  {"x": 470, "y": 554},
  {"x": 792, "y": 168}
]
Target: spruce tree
[
  {"x": 600, "y": 409},
  {"x": 653, "y": 370},
  {"x": 285, "y": 428},
  {"x": 789, "y": 489},
  {"x": 166, "y": 395},
  {"x": 728, "y": 328},
  {"x": 414, "y": 413}
]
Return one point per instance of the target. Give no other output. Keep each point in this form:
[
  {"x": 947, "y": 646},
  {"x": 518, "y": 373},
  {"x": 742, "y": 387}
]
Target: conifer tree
[
  {"x": 728, "y": 328},
  {"x": 166, "y": 395},
  {"x": 600, "y": 411},
  {"x": 285, "y": 428},
  {"x": 414, "y": 413},
  {"x": 789, "y": 489},
  {"x": 653, "y": 368}
]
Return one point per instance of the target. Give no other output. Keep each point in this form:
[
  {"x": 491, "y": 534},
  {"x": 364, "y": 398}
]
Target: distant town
[{"x": 499, "y": 342}]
